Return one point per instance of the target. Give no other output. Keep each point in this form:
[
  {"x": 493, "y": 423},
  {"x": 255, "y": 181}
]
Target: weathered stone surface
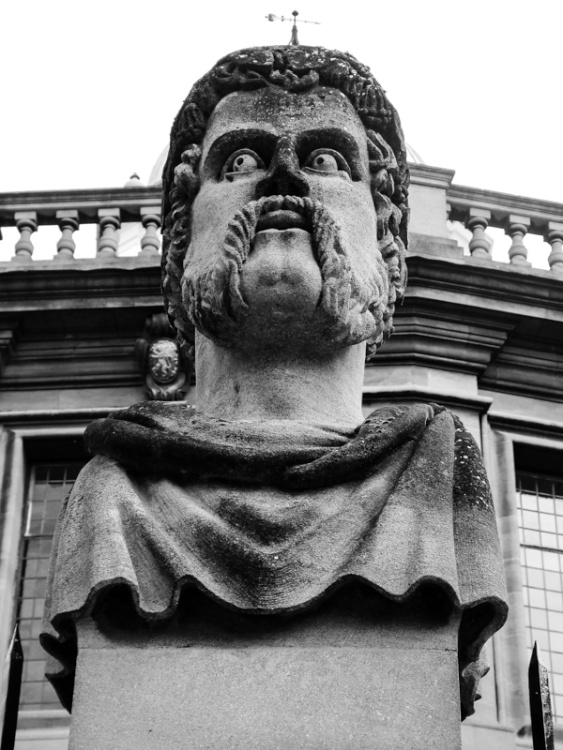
[
  {"x": 403, "y": 503},
  {"x": 285, "y": 227},
  {"x": 289, "y": 107},
  {"x": 358, "y": 672}
]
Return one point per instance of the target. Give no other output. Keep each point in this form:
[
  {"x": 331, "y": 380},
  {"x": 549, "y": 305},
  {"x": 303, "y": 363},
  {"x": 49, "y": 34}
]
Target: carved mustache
[
  {"x": 289, "y": 212},
  {"x": 278, "y": 212},
  {"x": 214, "y": 298},
  {"x": 351, "y": 305}
]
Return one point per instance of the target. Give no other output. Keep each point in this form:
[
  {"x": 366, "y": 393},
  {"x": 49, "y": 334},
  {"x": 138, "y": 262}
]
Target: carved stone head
[
  {"x": 163, "y": 361},
  {"x": 285, "y": 204}
]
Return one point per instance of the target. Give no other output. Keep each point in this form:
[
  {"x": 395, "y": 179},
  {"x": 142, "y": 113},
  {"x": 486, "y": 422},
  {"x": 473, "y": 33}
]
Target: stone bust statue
[
  {"x": 285, "y": 227},
  {"x": 289, "y": 217}
]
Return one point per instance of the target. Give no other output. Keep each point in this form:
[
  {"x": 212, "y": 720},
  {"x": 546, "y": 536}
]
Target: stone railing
[
  {"x": 108, "y": 209},
  {"x": 114, "y": 212},
  {"x": 434, "y": 199},
  {"x": 516, "y": 215}
]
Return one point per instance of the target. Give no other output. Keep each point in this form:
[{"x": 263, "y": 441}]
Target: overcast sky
[{"x": 89, "y": 90}]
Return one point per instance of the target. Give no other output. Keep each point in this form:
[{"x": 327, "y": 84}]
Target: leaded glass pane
[
  {"x": 540, "y": 512},
  {"x": 49, "y": 486}
]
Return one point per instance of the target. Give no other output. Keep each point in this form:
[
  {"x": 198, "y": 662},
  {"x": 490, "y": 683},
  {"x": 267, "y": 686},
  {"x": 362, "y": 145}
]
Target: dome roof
[
  {"x": 155, "y": 177},
  {"x": 413, "y": 156},
  {"x": 134, "y": 181}
]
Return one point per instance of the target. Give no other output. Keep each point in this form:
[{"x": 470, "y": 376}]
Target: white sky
[{"x": 89, "y": 90}]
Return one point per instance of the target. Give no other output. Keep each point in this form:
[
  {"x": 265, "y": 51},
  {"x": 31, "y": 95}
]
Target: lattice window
[
  {"x": 540, "y": 510},
  {"x": 50, "y": 484}
]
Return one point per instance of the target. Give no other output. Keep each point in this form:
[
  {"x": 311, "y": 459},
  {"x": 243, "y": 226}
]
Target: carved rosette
[{"x": 164, "y": 369}]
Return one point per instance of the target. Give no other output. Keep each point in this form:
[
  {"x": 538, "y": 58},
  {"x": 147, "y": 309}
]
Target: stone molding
[
  {"x": 528, "y": 429},
  {"x": 46, "y": 203},
  {"x": 437, "y": 335},
  {"x": 420, "y": 394},
  {"x": 489, "y": 308},
  {"x": 462, "y": 198},
  {"x": 423, "y": 174},
  {"x": 114, "y": 282},
  {"x": 11, "y": 522},
  {"x": 514, "y": 289}
]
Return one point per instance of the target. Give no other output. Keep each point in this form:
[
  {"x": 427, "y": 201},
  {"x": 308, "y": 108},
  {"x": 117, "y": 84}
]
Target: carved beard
[{"x": 352, "y": 301}]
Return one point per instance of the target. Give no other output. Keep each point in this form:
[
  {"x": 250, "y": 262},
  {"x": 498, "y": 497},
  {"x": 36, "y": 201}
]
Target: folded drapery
[{"x": 269, "y": 517}]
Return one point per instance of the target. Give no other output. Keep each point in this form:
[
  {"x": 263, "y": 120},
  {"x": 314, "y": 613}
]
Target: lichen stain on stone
[{"x": 470, "y": 480}]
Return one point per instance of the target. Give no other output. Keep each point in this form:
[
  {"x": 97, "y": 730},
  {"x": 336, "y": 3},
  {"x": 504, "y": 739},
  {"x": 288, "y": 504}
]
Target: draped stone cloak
[{"x": 269, "y": 517}]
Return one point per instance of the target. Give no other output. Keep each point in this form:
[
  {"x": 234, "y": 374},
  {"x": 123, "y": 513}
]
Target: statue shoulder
[
  {"x": 100, "y": 471},
  {"x": 405, "y": 417},
  {"x": 471, "y": 484}
]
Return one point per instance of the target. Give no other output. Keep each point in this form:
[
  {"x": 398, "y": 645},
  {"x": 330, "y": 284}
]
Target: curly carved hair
[{"x": 296, "y": 69}]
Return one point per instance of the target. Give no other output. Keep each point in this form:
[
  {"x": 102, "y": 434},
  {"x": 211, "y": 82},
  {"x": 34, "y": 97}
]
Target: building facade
[{"x": 480, "y": 331}]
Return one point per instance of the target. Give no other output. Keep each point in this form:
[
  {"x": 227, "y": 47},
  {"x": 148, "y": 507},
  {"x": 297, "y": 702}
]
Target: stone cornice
[
  {"x": 46, "y": 422},
  {"x": 518, "y": 424},
  {"x": 117, "y": 282},
  {"x": 499, "y": 287},
  {"x": 462, "y": 198},
  {"x": 423, "y": 174},
  {"x": 421, "y": 394},
  {"x": 506, "y": 288},
  {"x": 46, "y": 203}
]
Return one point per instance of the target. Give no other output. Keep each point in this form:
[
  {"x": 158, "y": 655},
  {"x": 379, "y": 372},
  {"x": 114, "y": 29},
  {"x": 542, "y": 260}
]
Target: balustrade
[
  {"x": 150, "y": 216},
  {"x": 477, "y": 222},
  {"x": 554, "y": 236},
  {"x": 519, "y": 217},
  {"x": 118, "y": 215},
  {"x": 130, "y": 217},
  {"x": 110, "y": 221},
  {"x": 516, "y": 227},
  {"x": 26, "y": 222},
  {"x": 68, "y": 223}
]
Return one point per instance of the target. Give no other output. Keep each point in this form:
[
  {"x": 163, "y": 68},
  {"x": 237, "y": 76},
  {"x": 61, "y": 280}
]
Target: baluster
[
  {"x": 26, "y": 222},
  {"x": 150, "y": 243},
  {"x": 554, "y": 235},
  {"x": 109, "y": 224},
  {"x": 68, "y": 224},
  {"x": 516, "y": 227},
  {"x": 477, "y": 222}
]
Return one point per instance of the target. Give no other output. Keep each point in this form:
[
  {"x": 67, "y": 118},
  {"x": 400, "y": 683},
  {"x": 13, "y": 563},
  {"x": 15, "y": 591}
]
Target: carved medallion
[
  {"x": 164, "y": 360},
  {"x": 164, "y": 368}
]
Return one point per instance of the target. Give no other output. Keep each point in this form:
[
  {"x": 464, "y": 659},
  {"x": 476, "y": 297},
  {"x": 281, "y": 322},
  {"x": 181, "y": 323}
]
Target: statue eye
[
  {"x": 242, "y": 162},
  {"x": 327, "y": 161}
]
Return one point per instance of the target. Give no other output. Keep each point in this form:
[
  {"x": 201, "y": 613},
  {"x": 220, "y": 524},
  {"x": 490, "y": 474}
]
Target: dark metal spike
[
  {"x": 540, "y": 703},
  {"x": 15, "y": 668}
]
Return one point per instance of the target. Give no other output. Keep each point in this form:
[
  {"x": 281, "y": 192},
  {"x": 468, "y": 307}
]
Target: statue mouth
[{"x": 282, "y": 219}]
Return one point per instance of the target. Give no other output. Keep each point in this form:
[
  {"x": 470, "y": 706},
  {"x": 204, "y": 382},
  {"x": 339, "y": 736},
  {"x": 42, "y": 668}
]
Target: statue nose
[{"x": 284, "y": 176}]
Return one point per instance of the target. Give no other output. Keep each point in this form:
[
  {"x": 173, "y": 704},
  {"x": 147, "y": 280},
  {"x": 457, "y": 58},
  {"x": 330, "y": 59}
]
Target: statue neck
[{"x": 255, "y": 386}]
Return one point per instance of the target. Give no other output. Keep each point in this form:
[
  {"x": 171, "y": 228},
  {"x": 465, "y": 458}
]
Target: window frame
[
  {"x": 21, "y": 446},
  {"x": 501, "y": 433}
]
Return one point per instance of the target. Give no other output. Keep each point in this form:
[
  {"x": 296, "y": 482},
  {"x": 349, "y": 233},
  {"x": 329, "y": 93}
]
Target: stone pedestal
[{"x": 358, "y": 672}]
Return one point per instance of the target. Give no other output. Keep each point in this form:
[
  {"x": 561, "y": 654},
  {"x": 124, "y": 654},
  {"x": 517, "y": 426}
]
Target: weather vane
[{"x": 294, "y": 38}]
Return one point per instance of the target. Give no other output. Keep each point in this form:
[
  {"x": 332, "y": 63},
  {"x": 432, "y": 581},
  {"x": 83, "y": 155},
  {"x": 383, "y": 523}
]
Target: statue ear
[
  {"x": 382, "y": 163},
  {"x": 186, "y": 176},
  {"x": 381, "y": 153}
]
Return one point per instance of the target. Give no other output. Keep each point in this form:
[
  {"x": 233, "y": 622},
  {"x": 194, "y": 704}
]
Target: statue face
[{"x": 284, "y": 225}]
